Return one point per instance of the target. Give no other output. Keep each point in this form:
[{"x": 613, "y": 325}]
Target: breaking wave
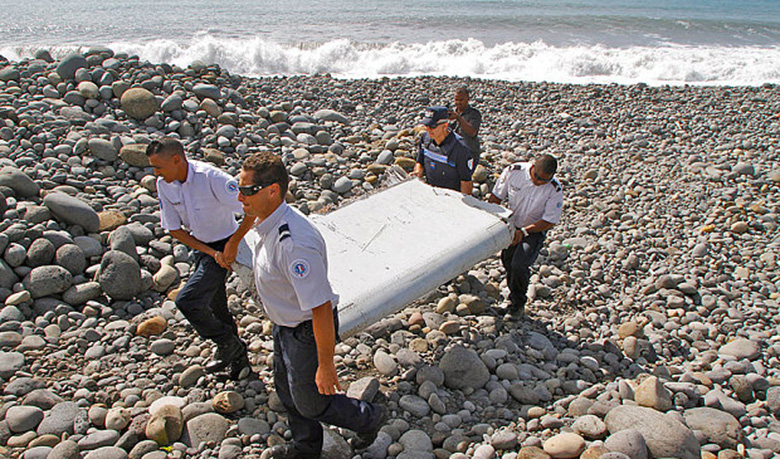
[{"x": 537, "y": 61}]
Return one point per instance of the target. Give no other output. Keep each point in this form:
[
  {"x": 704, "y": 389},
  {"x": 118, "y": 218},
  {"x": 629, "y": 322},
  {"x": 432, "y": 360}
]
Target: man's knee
[{"x": 309, "y": 402}]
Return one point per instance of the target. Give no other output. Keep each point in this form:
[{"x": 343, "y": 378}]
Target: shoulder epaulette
[
  {"x": 517, "y": 166},
  {"x": 284, "y": 232},
  {"x": 555, "y": 184}
]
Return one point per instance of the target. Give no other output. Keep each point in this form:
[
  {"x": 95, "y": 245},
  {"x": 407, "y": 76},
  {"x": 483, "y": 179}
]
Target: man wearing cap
[
  {"x": 197, "y": 207},
  {"x": 291, "y": 277},
  {"x": 443, "y": 158},
  {"x": 536, "y": 200},
  {"x": 465, "y": 121}
]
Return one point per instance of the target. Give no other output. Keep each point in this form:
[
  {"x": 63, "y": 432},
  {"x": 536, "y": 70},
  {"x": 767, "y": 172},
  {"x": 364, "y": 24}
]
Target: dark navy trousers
[
  {"x": 517, "y": 260},
  {"x": 295, "y": 366},
  {"x": 203, "y": 299}
]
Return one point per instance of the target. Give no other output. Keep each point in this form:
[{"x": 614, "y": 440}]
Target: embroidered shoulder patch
[
  {"x": 231, "y": 186},
  {"x": 471, "y": 164},
  {"x": 300, "y": 268}
]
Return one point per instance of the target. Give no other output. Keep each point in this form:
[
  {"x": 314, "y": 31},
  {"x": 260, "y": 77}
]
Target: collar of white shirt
[{"x": 272, "y": 221}]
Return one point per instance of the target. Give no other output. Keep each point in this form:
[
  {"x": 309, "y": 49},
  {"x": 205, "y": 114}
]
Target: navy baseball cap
[{"x": 435, "y": 115}]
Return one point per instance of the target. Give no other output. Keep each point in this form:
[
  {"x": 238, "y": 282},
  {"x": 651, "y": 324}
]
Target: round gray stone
[
  {"x": 162, "y": 346},
  {"x": 209, "y": 427},
  {"x": 69, "y": 64},
  {"x": 139, "y": 103},
  {"x": 462, "y": 368},
  {"x": 415, "y": 405},
  {"x": 120, "y": 275},
  {"x": 665, "y": 436},
  {"x": 72, "y": 211},
  {"x": 23, "y": 418},
  {"x": 72, "y": 258},
  {"x": 41, "y": 252},
  {"x": 47, "y": 280},
  {"x": 20, "y": 182},
  {"x": 102, "y": 149},
  {"x": 107, "y": 452},
  {"x": 59, "y": 419},
  {"x": 67, "y": 449}
]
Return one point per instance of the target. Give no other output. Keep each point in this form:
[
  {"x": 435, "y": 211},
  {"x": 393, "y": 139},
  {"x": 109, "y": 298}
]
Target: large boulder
[
  {"x": 102, "y": 149},
  {"x": 119, "y": 275},
  {"x": 139, "y": 103},
  {"x": 463, "y": 368},
  {"x": 9, "y": 74},
  {"x": 208, "y": 427},
  {"x": 330, "y": 115},
  {"x": 47, "y": 280},
  {"x": 741, "y": 348},
  {"x": 665, "y": 437},
  {"x": 720, "y": 427},
  {"x": 134, "y": 155},
  {"x": 10, "y": 363},
  {"x": 72, "y": 211},
  {"x": 166, "y": 425},
  {"x": 18, "y": 181},
  {"x": 206, "y": 91},
  {"x": 59, "y": 419},
  {"x": 7, "y": 275},
  {"x": 69, "y": 64}
]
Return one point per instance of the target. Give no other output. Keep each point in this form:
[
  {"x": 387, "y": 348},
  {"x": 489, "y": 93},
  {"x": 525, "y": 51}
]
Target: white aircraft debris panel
[{"x": 389, "y": 249}]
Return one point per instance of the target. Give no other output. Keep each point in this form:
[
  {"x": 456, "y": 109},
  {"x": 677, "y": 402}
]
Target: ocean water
[{"x": 697, "y": 42}]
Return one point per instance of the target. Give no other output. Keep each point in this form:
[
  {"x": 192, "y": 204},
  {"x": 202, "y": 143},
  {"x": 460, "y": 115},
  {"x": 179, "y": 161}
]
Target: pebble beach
[{"x": 653, "y": 326}]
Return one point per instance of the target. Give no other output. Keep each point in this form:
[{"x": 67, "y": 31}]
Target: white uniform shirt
[
  {"x": 291, "y": 267},
  {"x": 205, "y": 203},
  {"x": 528, "y": 202}
]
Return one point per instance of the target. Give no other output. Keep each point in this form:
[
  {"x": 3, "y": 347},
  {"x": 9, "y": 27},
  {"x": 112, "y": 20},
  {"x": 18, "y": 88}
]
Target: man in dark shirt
[
  {"x": 443, "y": 158},
  {"x": 465, "y": 121}
]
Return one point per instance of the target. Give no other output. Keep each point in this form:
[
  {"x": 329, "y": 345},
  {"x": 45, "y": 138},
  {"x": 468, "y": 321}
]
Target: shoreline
[
  {"x": 654, "y": 302},
  {"x": 676, "y": 65}
]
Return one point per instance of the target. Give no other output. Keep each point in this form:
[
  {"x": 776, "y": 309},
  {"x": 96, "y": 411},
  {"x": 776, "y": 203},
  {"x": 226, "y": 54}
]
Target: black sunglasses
[{"x": 251, "y": 190}]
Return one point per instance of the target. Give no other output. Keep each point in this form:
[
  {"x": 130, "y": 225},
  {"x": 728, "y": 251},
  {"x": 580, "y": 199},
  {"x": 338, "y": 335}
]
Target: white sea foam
[{"x": 538, "y": 61}]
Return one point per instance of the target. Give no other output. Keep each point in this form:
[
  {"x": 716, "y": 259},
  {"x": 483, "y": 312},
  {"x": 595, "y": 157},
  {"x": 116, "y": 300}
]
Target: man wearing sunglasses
[
  {"x": 198, "y": 207},
  {"x": 443, "y": 158},
  {"x": 536, "y": 200},
  {"x": 291, "y": 277}
]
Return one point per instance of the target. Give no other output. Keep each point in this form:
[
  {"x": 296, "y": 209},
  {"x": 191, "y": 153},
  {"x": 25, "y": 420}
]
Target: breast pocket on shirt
[{"x": 514, "y": 192}]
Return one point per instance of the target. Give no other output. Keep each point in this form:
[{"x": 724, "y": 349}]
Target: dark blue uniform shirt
[{"x": 448, "y": 164}]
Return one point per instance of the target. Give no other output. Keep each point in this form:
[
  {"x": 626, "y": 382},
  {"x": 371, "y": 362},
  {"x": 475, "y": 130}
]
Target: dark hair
[
  {"x": 267, "y": 169},
  {"x": 464, "y": 90},
  {"x": 547, "y": 163},
  {"x": 167, "y": 147}
]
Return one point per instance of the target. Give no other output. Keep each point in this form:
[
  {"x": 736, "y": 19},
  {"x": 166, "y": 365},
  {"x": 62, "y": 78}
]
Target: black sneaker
[
  {"x": 288, "y": 451},
  {"x": 240, "y": 368},
  {"x": 365, "y": 439},
  {"x": 516, "y": 310},
  {"x": 227, "y": 352}
]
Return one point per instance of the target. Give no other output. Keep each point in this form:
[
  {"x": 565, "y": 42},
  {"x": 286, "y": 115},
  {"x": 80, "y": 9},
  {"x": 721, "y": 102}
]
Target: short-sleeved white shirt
[
  {"x": 205, "y": 203},
  {"x": 291, "y": 267},
  {"x": 528, "y": 202}
]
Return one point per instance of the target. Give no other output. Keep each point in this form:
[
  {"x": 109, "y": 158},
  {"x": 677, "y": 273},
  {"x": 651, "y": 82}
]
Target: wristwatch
[{"x": 524, "y": 231}]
